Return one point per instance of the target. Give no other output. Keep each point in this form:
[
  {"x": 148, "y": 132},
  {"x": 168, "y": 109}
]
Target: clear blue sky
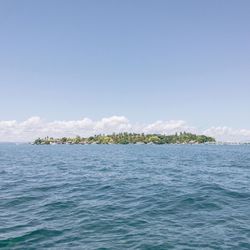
[{"x": 146, "y": 60}]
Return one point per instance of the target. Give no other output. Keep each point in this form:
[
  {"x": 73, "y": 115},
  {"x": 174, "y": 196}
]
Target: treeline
[{"x": 130, "y": 138}]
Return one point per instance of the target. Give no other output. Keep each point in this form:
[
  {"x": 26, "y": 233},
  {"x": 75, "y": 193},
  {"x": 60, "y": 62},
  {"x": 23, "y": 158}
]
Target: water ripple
[{"x": 124, "y": 197}]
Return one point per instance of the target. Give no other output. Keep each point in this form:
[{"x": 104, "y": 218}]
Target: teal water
[{"x": 124, "y": 197}]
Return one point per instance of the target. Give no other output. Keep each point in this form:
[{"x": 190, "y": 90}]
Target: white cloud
[
  {"x": 112, "y": 124},
  {"x": 35, "y": 127},
  {"x": 228, "y": 134},
  {"x": 31, "y": 122},
  {"x": 167, "y": 127}
]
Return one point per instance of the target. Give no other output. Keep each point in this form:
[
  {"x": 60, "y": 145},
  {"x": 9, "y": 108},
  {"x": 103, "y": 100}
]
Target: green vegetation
[{"x": 130, "y": 138}]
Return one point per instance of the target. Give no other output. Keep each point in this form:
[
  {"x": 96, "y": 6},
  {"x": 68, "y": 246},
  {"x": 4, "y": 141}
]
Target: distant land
[{"x": 129, "y": 138}]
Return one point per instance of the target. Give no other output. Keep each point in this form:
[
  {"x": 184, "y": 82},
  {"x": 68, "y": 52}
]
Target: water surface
[{"x": 124, "y": 197}]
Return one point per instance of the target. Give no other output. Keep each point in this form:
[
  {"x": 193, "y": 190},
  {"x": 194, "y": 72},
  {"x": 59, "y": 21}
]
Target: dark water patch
[
  {"x": 18, "y": 201},
  {"x": 31, "y": 237},
  {"x": 2, "y": 172}
]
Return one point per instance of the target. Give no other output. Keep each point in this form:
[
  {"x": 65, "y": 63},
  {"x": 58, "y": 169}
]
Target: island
[{"x": 129, "y": 138}]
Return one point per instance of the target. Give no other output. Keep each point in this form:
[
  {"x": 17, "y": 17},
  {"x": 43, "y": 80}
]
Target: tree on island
[{"x": 131, "y": 138}]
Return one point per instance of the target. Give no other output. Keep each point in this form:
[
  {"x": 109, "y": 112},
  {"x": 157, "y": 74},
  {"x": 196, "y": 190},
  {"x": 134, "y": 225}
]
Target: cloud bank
[{"x": 30, "y": 129}]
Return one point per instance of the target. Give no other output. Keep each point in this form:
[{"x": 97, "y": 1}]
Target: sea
[{"x": 124, "y": 196}]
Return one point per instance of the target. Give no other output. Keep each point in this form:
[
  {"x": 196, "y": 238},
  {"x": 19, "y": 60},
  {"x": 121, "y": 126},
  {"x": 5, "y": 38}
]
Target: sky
[{"x": 168, "y": 65}]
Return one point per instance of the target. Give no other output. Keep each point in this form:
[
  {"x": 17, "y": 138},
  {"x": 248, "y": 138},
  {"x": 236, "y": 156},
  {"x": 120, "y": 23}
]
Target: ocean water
[{"x": 124, "y": 197}]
